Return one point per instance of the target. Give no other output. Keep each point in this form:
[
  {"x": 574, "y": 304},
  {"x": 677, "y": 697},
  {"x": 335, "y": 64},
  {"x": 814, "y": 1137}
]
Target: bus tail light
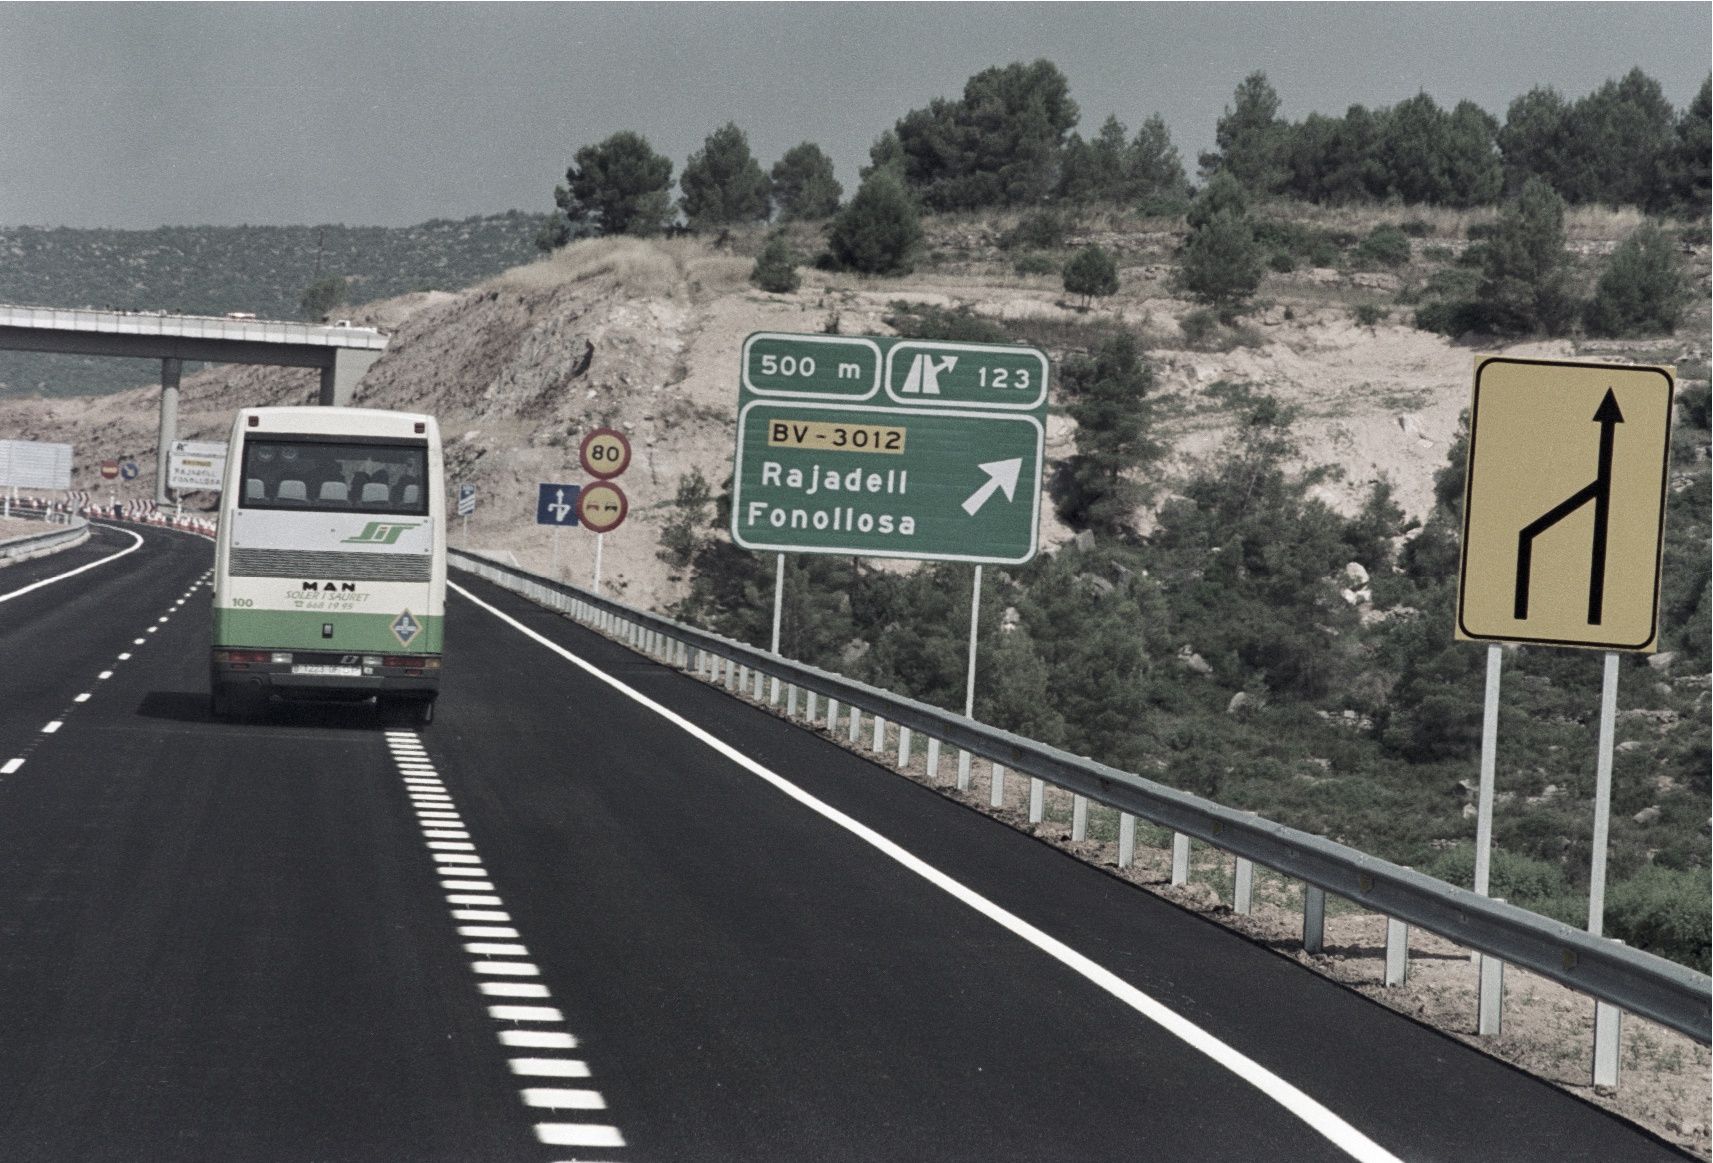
[{"x": 416, "y": 661}]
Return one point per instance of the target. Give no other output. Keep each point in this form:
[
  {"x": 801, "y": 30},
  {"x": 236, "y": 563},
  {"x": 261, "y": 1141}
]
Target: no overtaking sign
[{"x": 881, "y": 447}]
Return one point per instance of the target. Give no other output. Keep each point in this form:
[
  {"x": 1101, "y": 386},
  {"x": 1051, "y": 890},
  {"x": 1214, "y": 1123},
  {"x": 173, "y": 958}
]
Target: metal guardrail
[
  {"x": 1635, "y": 981},
  {"x": 31, "y": 544}
]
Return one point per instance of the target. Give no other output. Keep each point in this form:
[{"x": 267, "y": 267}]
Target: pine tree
[
  {"x": 804, "y": 186},
  {"x": 1524, "y": 270},
  {"x": 723, "y": 185},
  {"x": 775, "y": 267},
  {"x": 618, "y": 186},
  {"x": 879, "y": 231},
  {"x": 1091, "y": 272}
]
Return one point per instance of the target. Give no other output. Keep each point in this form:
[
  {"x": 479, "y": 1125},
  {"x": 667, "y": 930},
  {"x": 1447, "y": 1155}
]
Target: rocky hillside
[{"x": 645, "y": 336}]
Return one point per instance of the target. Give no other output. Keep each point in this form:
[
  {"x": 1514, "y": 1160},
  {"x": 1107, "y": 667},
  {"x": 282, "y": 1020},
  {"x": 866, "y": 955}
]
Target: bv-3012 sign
[{"x": 880, "y": 447}]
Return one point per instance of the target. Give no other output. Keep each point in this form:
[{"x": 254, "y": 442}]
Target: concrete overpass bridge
[{"x": 342, "y": 353}]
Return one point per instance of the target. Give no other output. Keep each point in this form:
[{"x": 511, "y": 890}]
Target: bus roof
[{"x": 336, "y": 421}]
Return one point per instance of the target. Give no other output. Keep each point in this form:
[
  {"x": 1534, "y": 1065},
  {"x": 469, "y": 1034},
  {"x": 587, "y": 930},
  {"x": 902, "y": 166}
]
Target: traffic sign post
[
  {"x": 466, "y": 506},
  {"x": 1563, "y": 539},
  {"x": 556, "y": 505},
  {"x": 601, "y": 507},
  {"x": 883, "y": 447}
]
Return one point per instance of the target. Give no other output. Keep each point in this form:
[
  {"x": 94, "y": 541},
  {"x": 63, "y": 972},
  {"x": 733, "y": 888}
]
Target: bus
[{"x": 330, "y": 561}]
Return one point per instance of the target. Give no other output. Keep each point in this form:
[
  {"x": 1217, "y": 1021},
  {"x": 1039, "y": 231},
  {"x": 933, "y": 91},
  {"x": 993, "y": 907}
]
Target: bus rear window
[{"x": 335, "y": 475}]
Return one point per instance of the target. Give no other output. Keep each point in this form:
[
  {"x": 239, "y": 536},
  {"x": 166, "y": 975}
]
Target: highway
[{"x": 601, "y": 911}]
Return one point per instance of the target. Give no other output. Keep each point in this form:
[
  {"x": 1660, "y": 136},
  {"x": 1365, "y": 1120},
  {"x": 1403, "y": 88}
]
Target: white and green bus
[{"x": 330, "y": 564}]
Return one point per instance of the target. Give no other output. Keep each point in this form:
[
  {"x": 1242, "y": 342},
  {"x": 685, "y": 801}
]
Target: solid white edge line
[
  {"x": 48, "y": 581},
  {"x": 1312, "y": 1112}
]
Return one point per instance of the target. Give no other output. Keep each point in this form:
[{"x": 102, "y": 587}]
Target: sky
[{"x": 139, "y": 115}]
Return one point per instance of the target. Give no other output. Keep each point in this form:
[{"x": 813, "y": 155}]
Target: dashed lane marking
[
  {"x": 53, "y": 726},
  {"x": 500, "y": 960},
  {"x": 1313, "y": 1113},
  {"x": 11, "y": 766}
]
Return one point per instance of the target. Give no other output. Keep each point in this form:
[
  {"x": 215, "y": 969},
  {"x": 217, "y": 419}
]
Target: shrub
[
  {"x": 1385, "y": 246},
  {"x": 926, "y": 321},
  {"x": 1323, "y": 254},
  {"x": 879, "y": 232},
  {"x": 1417, "y": 228},
  {"x": 1091, "y": 272},
  {"x": 1368, "y": 314},
  {"x": 1034, "y": 264},
  {"x": 1511, "y": 875},
  {"x": 1199, "y": 325},
  {"x": 1282, "y": 262},
  {"x": 775, "y": 267},
  {"x": 1041, "y": 230},
  {"x": 1524, "y": 270},
  {"x": 1642, "y": 290},
  {"x": 1665, "y": 911},
  {"x": 1448, "y": 317},
  {"x": 1221, "y": 262}
]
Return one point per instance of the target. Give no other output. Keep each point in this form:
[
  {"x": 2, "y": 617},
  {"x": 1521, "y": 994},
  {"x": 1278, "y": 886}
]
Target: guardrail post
[
  {"x": 903, "y": 747},
  {"x": 1180, "y": 858},
  {"x": 773, "y": 692},
  {"x": 877, "y": 743},
  {"x": 1126, "y": 839},
  {"x": 1037, "y": 799},
  {"x": 933, "y": 760},
  {"x": 760, "y": 682},
  {"x": 1397, "y": 952},
  {"x": 743, "y": 680},
  {"x": 1608, "y": 1030},
  {"x": 832, "y": 715},
  {"x": 856, "y": 724},
  {"x": 963, "y": 770},
  {"x": 1314, "y": 918},
  {"x": 1079, "y": 817},
  {"x": 790, "y": 700},
  {"x": 731, "y": 677},
  {"x": 996, "y": 788},
  {"x": 1243, "y": 887},
  {"x": 810, "y": 698}
]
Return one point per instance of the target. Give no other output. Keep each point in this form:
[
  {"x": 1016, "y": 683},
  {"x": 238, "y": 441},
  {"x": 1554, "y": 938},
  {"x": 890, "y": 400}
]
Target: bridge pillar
[
  {"x": 171, "y": 369},
  {"x": 339, "y": 382}
]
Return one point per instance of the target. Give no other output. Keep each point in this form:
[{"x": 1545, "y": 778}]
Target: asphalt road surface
[{"x": 605, "y": 912}]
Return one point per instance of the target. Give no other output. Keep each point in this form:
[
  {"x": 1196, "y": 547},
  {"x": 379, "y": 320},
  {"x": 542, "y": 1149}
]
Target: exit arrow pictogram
[{"x": 1608, "y": 416}]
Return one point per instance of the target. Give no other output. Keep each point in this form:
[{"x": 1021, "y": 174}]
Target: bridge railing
[
  {"x": 1632, "y": 980},
  {"x": 57, "y": 535}
]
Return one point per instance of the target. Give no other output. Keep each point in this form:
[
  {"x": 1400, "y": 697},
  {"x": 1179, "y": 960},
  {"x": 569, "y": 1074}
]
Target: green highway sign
[{"x": 886, "y": 447}]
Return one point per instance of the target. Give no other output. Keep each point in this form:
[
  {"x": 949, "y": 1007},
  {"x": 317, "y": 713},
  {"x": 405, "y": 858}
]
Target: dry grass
[{"x": 639, "y": 267}]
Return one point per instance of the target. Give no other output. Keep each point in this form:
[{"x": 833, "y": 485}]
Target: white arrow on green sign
[{"x": 884, "y": 447}]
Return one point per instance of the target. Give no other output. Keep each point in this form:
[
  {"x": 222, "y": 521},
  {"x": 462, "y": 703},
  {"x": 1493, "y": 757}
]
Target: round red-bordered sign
[
  {"x": 605, "y": 453},
  {"x": 601, "y": 507}
]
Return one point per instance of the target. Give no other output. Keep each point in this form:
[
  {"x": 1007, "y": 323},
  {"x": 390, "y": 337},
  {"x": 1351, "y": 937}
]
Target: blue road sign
[
  {"x": 466, "y": 500},
  {"x": 556, "y": 504},
  {"x": 129, "y": 470}
]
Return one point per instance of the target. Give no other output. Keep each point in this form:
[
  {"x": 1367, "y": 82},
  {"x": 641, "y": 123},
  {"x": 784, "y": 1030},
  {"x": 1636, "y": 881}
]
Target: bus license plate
[{"x": 336, "y": 671}]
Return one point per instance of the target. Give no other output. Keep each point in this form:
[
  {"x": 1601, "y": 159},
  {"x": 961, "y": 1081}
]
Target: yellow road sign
[{"x": 1564, "y": 504}]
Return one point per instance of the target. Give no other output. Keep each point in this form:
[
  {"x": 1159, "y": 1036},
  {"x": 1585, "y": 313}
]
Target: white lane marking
[
  {"x": 550, "y": 1067},
  {"x": 123, "y": 657},
  {"x": 459, "y": 867},
  {"x": 150, "y": 630},
  {"x": 525, "y": 1014},
  {"x": 48, "y": 581},
  {"x": 578, "y": 1134},
  {"x": 1311, "y": 1111},
  {"x": 106, "y": 674},
  {"x": 505, "y": 968},
  {"x": 11, "y": 766},
  {"x": 512, "y": 989},
  {"x": 560, "y": 1099},
  {"x": 136, "y": 642},
  {"x": 82, "y": 698},
  {"x": 163, "y": 617},
  {"x": 53, "y": 726}
]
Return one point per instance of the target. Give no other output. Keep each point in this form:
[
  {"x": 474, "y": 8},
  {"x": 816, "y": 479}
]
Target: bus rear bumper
[{"x": 311, "y": 676}]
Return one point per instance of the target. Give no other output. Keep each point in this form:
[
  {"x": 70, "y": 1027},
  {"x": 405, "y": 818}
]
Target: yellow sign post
[
  {"x": 1563, "y": 532},
  {"x": 1564, "y": 504}
]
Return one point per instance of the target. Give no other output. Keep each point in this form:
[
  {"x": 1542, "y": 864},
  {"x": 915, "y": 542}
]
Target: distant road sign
[
  {"x": 1564, "y": 504},
  {"x": 129, "y": 470},
  {"x": 556, "y": 504},
  {"x": 880, "y": 447},
  {"x": 109, "y": 470},
  {"x": 196, "y": 464},
  {"x": 605, "y": 453},
  {"x": 466, "y": 500},
  {"x": 601, "y": 507},
  {"x": 35, "y": 464}
]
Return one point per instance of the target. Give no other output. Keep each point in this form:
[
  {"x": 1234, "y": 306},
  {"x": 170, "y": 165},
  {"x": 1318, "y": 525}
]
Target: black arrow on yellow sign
[{"x": 1608, "y": 416}]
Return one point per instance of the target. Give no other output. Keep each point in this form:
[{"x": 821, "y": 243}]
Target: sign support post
[
  {"x": 555, "y": 573},
  {"x": 969, "y": 680},
  {"x": 1603, "y": 796},
  {"x": 1489, "y": 762},
  {"x": 778, "y": 612},
  {"x": 599, "y": 537}
]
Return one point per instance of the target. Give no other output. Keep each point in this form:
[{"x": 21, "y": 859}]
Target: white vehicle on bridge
[{"x": 330, "y": 565}]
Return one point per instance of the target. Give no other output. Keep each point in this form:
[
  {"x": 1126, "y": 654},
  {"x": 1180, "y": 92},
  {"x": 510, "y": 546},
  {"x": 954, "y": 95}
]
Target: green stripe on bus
[{"x": 301, "y": 630}]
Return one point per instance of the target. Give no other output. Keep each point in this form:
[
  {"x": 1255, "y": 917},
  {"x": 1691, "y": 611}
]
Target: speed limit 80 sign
[{"x": 605, "y": 453}]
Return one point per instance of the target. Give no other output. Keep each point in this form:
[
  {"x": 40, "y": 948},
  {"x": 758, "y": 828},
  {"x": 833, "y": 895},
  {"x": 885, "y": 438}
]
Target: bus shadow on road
[{"x": 192, "y": 707}]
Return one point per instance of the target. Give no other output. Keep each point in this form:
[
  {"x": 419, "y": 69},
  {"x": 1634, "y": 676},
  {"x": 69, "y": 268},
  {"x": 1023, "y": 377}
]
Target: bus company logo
[{"x": 381, "y": 533}]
